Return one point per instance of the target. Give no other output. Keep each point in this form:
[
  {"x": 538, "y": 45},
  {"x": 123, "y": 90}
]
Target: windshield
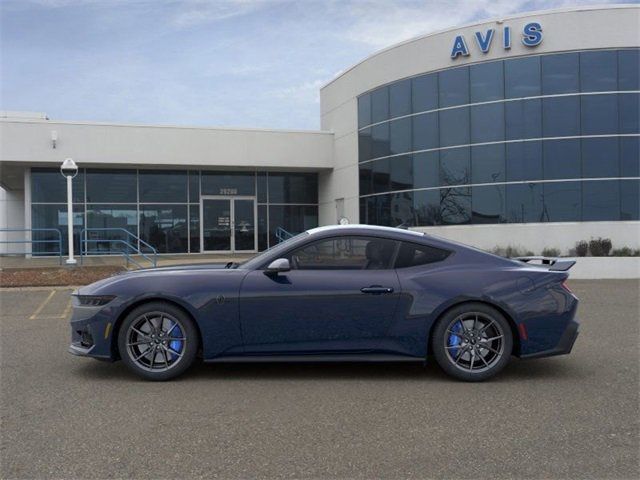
[{"x": 278, "y": 247}]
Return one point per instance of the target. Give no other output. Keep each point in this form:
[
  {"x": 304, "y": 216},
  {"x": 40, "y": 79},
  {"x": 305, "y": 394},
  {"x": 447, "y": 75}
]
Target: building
[{"x": 518, "y": 131}]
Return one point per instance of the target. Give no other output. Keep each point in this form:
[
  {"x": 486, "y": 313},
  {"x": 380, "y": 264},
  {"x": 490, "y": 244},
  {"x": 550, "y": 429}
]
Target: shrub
[
  {"x": 625, "y": 252},
  {"x": 551, "y": 252},
  {"x": 582, "y": 248},
  {"x": 600, "y": 247},
  {"x": 512, "y": 251}
]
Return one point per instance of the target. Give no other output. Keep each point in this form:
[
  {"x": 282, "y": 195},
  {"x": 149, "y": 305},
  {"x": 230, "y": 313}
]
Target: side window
[
  {"x": 413, "y": 254},
  {"x": 344, "y": 253}
]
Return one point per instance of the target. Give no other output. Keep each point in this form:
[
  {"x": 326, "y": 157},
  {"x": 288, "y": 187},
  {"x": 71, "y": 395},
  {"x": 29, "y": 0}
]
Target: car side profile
[{"x": 337, "y": 294}]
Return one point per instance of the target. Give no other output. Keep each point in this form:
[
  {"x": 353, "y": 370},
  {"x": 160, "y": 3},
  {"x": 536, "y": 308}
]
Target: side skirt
[{"x": 314, "y": 358}]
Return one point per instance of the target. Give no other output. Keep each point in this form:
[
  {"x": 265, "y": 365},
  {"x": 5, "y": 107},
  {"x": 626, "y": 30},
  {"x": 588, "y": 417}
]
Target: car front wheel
[
  {"x": 158, "y": 341},
  {"x": 472, "y": 342}
]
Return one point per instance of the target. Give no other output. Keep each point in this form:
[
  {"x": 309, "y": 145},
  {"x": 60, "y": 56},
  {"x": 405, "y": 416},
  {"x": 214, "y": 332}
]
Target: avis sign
[{"x": 531, "y": 37}]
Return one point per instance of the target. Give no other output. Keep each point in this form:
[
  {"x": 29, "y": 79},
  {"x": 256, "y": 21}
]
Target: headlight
[{"x": 94, "y": 300}]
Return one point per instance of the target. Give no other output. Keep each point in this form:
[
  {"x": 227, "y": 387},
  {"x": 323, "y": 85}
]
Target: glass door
[{"x": 228, "y": 224}]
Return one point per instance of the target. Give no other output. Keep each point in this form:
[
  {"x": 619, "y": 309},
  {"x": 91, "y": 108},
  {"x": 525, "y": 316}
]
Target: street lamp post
[{"x": 69, "y": 169}]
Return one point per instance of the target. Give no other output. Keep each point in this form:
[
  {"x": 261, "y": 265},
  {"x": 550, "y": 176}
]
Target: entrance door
[{"x": 228, "y": 224}]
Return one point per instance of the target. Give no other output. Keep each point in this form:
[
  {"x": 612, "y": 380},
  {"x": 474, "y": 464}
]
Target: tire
[
  {"x": 472, "y": 342},
  {"x": 158, "y": 341}
]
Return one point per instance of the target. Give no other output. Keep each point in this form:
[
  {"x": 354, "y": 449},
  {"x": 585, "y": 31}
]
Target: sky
[{"x": 234, "y": 63}]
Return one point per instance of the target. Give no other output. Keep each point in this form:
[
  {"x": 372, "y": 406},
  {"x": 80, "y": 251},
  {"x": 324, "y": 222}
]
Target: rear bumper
[{"x": 564, "y": 346}]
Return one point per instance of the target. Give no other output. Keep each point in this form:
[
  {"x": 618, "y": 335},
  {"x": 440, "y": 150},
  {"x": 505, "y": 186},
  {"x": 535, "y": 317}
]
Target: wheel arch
[
  {"x": 142, "y": 301},
  {"x": 507, "y": 315}
]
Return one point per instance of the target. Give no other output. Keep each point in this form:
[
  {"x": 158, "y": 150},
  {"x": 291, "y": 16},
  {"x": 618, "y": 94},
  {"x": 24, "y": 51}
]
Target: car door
[{"x": 339, "y": 296}]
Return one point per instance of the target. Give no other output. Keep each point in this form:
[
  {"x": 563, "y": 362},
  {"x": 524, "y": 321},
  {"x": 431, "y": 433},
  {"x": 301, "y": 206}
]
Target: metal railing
[
  {"x": 282, "y": 234},
  {"x": 57, "y": 241},
  {"x": 132, "y": 245}
]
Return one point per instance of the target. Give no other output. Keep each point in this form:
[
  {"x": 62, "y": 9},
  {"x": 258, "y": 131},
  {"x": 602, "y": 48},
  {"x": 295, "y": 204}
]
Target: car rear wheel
[
  {"x": 472, "y": 342},
  {"x": 158, "y": 341}
]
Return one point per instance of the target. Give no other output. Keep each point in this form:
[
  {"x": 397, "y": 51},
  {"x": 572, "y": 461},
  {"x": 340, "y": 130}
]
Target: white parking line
[{"x": 42, "y": 305}]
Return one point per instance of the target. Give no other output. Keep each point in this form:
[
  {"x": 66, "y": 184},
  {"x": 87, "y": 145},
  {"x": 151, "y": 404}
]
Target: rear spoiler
[{"x": 554, "y": 264}]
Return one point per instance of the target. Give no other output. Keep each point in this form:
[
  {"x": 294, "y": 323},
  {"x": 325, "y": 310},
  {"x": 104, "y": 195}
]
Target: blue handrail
[
  {"x": 58, "y": 240},
  {"x": 129, "y": 247},
  {"x": 282, "y": 234}
]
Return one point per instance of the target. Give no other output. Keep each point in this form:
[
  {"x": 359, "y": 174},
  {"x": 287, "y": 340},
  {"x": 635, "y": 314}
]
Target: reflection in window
[
  {"x": 380, "y": 105},
  {"x": 261, "y": 185},
  {"x": 599, "y": 114},
  {"x": 629, "y": 69},
  {"x": 455, "y": 205},
  {"x": 293, "y": 187},
  {"x": 426, "y": 169},
  {"x": 401, "y": 172},
  {"x": 629, "y": 112},
  {"x": 115, "y": 218},
  {"x": 402, "y": 209},
  {"x": 400, "y": 98},
  {"x": 364, "y": 110},
  {"x": 164, "y": 227},
  {"x": 366, "y": 186},
  {"x": 424, "y": 93},
  {"x": 630, "y": 157},
  {"x": 293, "y": 218},
  {"x": 111, "y": 186},
  {"x": 600, "y": 157},
  {"x": 454, "y": 127},
  {"x": 524, "y": 161},
  {"x": 381, "y": 175},
  {"x": 163, "y": 186},
  {"x": 194, "y": 228},
  {"x": 345, "y": 253},
  {"x": 263, "y": 228},
  {"x": 630, "y": 200},
  {"x": 49, "y": 186},
  {"x": 561, "y": 116},
  {"x": 425, "y": 131},
  {"x": 455, "y": 166},
  {"x": 487, "y": 81},
  {"x": 562, "y": 202},
  {"x": 522, "y": 77},
  {"x": 561, "y": 159},
  {"x": 488, "y": 204},
  {"x": 54, "y": 216},
  {"x": 487, "y": 123},
  {"x": 600, "y": 200},
  {"x": 400, "y": 136},
  {"x": 194, "y": 186},
  {"x": 523, "y": 119},
  {"x": 560, "y": 73},
  {"x": 599, "y": 71},
  {"x": 380, "y": 140},
  {"x": 488, "y": 163},
  {"x": 524, "y": 203},
  {"x": 426, "y": 205},
  {"x": 454, "y": 87},
  {"x": 365, "y": 145}
]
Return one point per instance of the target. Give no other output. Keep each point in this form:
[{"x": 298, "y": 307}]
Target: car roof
[{"x": 363, "y": 228}]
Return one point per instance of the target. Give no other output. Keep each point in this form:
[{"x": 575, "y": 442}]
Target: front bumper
[
  {"x": 92, "y": 330},
  {"x": 564, "y": 346}
]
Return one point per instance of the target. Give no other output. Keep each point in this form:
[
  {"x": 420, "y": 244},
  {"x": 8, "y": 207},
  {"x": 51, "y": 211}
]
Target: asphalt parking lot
[{"x": 566, "y": 417}]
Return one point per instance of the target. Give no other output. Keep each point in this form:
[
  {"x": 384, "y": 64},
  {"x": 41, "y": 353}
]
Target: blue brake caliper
[
  {"x": 455, "y": 340},
  {"x": 176, "y": 345}
]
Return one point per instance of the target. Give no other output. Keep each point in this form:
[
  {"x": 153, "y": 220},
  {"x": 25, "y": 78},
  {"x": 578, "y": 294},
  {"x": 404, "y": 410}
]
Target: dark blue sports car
[{"x": 340, "y": 293}]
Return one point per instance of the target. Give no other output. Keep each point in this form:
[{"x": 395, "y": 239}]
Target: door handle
[{"x": 376, "y": 290}]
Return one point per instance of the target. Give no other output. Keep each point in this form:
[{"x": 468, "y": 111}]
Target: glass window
[
  {"x": 263, "y": 228},
  {"x": 488, "y": 163},
  {"x": 364, "y": 110},
  {"x": 426, "y": 205},
  {"x": 163, "y": 186},
  {"x": 365, "y": 145},
  {"x": 560, "y": 73},
  {"x": 378, "y": 210},
  {"x": 401, "y": 172},
  {"x": 116, "y": 218},
  {"x": 366, "y": 185},
  {"x": 600, "y": 201},
  {"x": 630, "y": 200},
  {"x": 630, "y": 156},
  {"x": 424, "y": 93},
  {"x": 345, "y": 253},
  {"x": 599, "y": 71},
  {"x": 562, "y": 159},
  {"x": 165, "y": 227},
  {"x": 413, "y": 255},
  {"x": 562, "y": 202},
  {"x": 522, "y": 77},
  {"x": 111, "y": 186},
  {"x": 425, "y": 131},
  {"x": 487, "y": 81},
  {"x": 487, "y": 123},
  {"x": 49, "y": 186},
  {"x": 599, "y": 114},
  {"x": 561, "y": 116},
  {"x": 194, "y": 186},
  {"x": 381, "y": 176},
  {"x": 629, "y": 112},
  {"x": 523, "y": 119},
  {"x": 454, "y": 127},
  {"x": 402, "y": 209},
  {"x": 293, "y": 218},
  {"x": 380, "y": 105},
  {"x": 488, "y": 204},
  {"x": 455, "y": 205},
  {"x": 426, "y": 169},
  {"x": 261, "y": 184},
  {"x": 629, "y": 69},
  {"x": 400, "y": 98},
  {"x": 194, "y": 228},
  {"x": 54, "y": 216},
  {"x": 293, "y": 187},
  {"x": 380, "y": 140},
  {"x": 454, "y": 87},
  {"x": 400, "y": 136},
  {"x": 455, "y": 168},
  {"x": 524, "y": 203},
  {"x": 600, "y": 157},
  {"x": 524, "y": 161},
  {"x": 228, "y": 183}
]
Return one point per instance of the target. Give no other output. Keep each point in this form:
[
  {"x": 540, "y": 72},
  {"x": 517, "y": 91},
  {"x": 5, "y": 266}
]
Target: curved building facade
[{"x": 484, "y": 132}]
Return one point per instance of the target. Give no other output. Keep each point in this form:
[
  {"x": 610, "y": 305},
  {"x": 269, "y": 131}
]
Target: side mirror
[{"x": 277, "y": 266}]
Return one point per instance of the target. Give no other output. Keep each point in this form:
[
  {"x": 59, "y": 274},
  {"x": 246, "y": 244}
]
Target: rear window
[{"x": 412, "y": 255}]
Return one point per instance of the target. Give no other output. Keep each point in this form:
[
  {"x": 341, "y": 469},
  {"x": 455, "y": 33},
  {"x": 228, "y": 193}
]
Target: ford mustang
[{"x": 336, "y": 294}]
